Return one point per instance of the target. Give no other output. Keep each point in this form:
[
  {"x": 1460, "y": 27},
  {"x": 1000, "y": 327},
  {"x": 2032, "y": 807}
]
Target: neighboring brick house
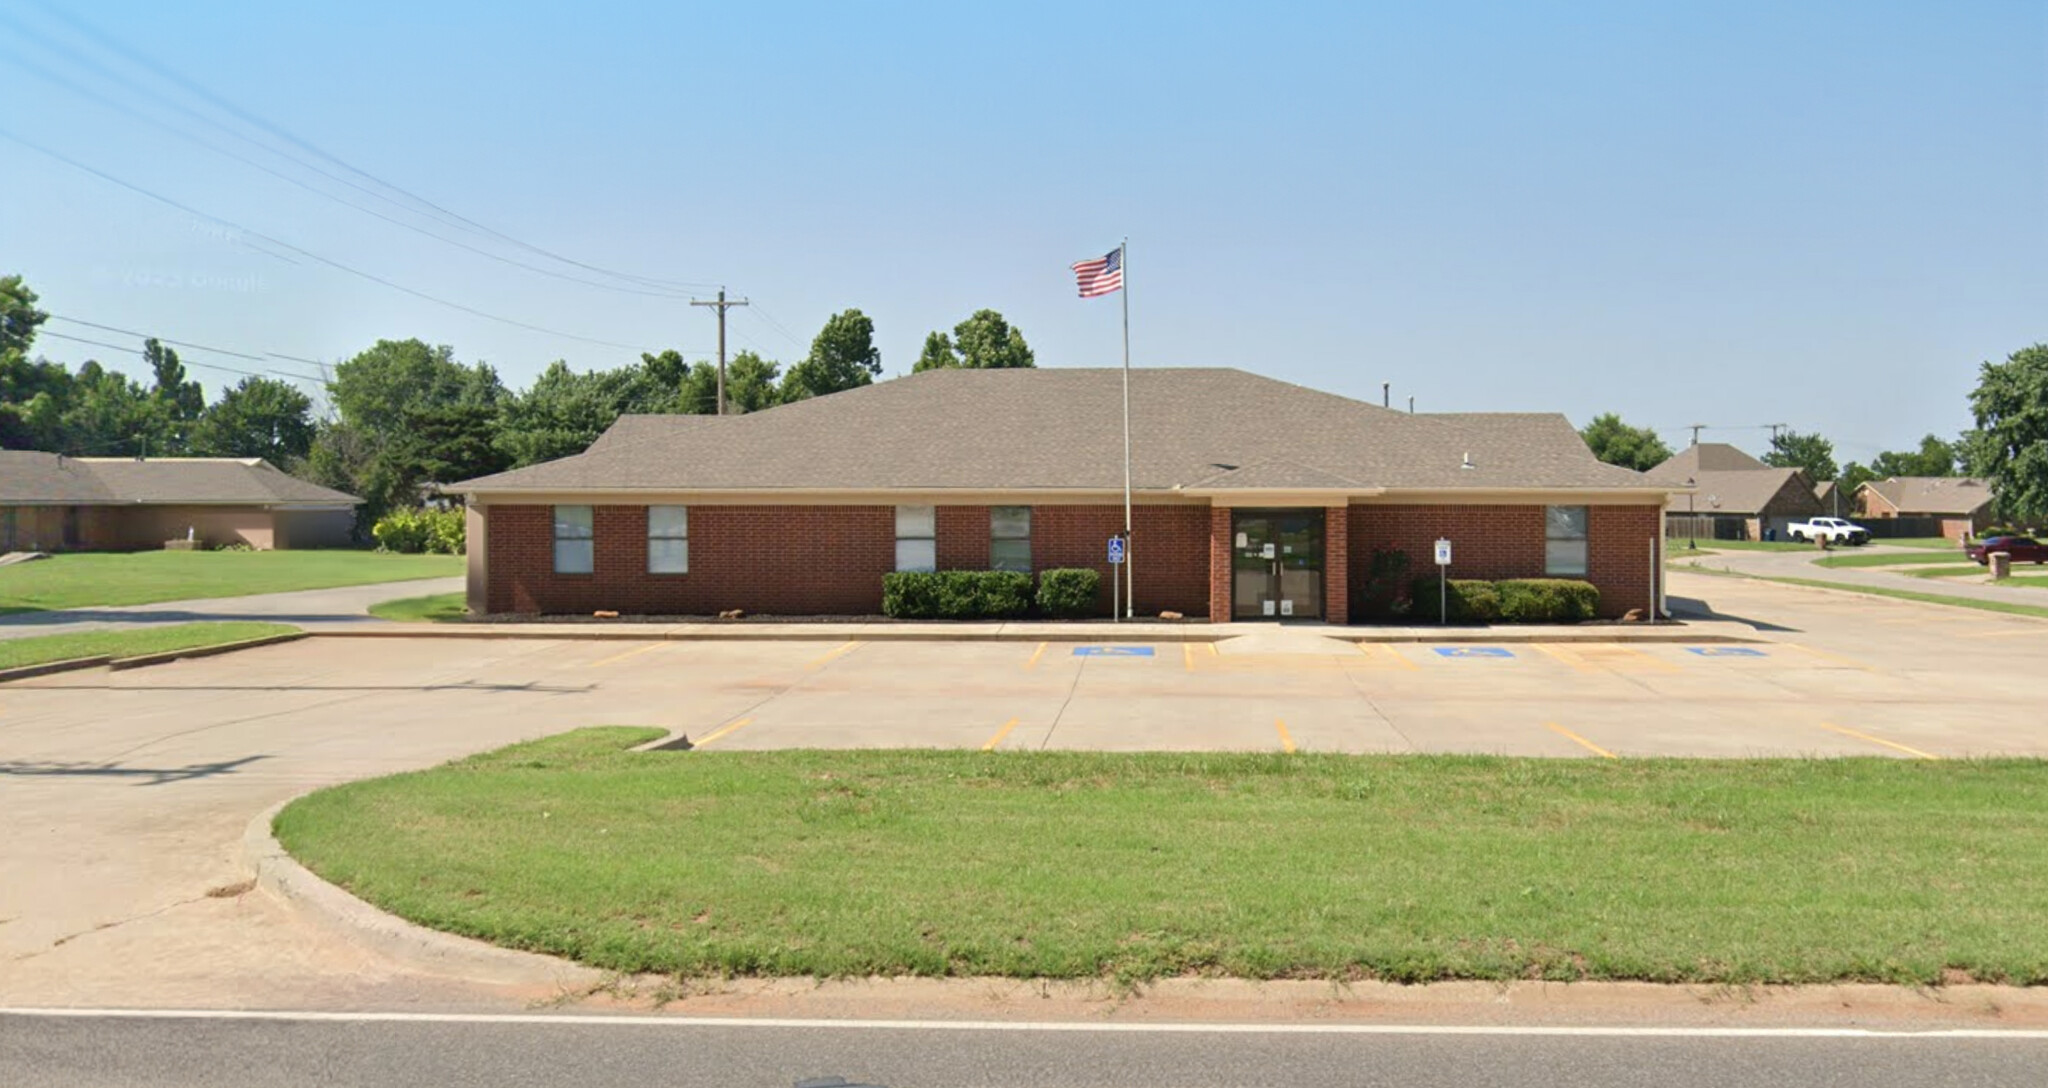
[
  {"x": 1962, "y": 504},
  {"x": 1740, "y": 495},
  {"x": 1251, "y": 498},
  {"x": 52, "y": 503}
]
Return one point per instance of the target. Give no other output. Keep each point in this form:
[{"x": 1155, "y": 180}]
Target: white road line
[{"x": 1090, "y": 1026}]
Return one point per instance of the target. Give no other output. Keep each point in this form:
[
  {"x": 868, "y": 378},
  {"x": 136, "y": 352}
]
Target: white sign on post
[{"x": 1443, "y": 553}]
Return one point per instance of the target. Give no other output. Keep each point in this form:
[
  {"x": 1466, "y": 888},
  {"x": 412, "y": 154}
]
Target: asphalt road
[{"x": 43, "y": 1052}]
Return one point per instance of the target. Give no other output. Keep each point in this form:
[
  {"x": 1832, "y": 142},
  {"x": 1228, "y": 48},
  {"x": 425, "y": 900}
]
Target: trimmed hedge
[
  {"x": 441, "y": 532},
  {"x": 956, "y": 595},
  {"x": 1511, "y": 600},
  {"x": 1068, "y": 592}
]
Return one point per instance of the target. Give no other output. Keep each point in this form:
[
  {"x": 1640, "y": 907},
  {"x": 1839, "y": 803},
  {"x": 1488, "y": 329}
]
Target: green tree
[
  {"x": 257, "y": 417},
  {"x": 563, "y": 411},
  {"x": 380, "y": 388},
  {"x": 1935, "y": 457},
  {"x": 413, "y": 415},
  {"x": 938, "y": 354},
  {"x": 1617, "y": 443},
  {"x": 987, "y": 342},
  {"x": 1811, "y": 452},
  {"x": 749, "y": 386},
  {"x": 178, "y": 400},
  {"x": 109, "y": 414},
  {"x": 2010, "y": 444},
  {"x": 843, "y": 356},
  {"x": 19, "y": 317}
]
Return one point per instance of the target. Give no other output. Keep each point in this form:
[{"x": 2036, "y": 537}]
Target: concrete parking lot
[{"x": 125, "y": 794}]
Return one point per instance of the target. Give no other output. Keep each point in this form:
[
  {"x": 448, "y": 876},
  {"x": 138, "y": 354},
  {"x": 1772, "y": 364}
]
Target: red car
[{"x": 2023, "y": 549}]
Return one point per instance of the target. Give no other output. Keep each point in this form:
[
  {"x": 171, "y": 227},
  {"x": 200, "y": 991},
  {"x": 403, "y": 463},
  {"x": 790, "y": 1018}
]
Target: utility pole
[
  {"x": 1775, "y": 428},
  {"x": 1696, "y": 429},
  {"x": 722, "y": 306}
]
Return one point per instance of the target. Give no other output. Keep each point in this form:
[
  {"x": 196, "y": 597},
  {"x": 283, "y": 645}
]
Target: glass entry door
[{"x": 1277, "y": 564}]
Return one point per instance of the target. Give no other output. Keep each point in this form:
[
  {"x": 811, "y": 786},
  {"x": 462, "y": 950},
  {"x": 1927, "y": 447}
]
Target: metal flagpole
[{"x": 1130, "y": 591}]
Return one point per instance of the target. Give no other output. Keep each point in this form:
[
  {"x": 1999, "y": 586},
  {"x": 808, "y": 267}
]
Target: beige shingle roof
[
  {"x": 47, "y": 479},
  {"x": 1705, "y": 457},
  {"x": 1061, "y": 429},
  {"x": 1933, "y": 494}
]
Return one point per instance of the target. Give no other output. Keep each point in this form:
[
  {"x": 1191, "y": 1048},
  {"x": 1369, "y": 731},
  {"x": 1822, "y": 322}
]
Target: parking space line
[
  {"x": 634, "y": 652},
  {"x": 1367, "y": 649},
  {"x": 1568, "y": 657},
  {"x": 836, "y": 652},
  {"x": 1826, "y": 656},
  {"x": 1582, "y": 742},
  {"x": 1187, "y": 656},
  {"x": 1000, "y": 734},
  {"x": 1035, "y": 655},
  {"x": 719, "y": 732},
  {"x": 1878, "y": 740},
  {"x": 1286, "y": 739},
  {"x": 1212, "y": 648}
]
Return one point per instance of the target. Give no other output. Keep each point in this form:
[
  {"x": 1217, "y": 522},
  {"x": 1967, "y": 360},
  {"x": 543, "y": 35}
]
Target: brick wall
[
  {"x": 1506, "y": 541},
  {"x": 1336, "y": 565},
  {"x": 773, "y": 560},
  {"x": 818, "y": 560},
  {"x": 1220, "y": 569}
]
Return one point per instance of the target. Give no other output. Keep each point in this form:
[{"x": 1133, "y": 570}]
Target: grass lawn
[
  {"x": 84, "y": 579},
  {"x": 1958, "y": 570},
  {"x": 1676, "y": 546},
  {"x": 1936, "y": 543},
  {"x": 38, "y": 649},
  {"x": 1135, "y": 866},
  {"x": 1893, "y": 560},
  {"x": 438, "y": 608},
  {"x": 1911, "y": 595}
]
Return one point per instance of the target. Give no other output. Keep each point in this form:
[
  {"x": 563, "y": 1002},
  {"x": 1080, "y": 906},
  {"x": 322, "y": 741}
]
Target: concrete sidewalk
[
  {"x": 1802, "y": 565},
  {"x": 316, "y": 610}
]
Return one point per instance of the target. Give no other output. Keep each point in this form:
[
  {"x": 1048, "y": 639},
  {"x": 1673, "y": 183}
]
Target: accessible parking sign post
[
  {"x": 1116, "y": 566},
  {"x": 1443, "y": 595}
]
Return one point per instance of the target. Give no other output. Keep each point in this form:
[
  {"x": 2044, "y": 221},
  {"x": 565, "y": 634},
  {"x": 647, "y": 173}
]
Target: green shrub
[
  {"x": 442, "y": 532},
  {"x": 1380, "y": 594},
  {"x": 1512, "y": 600},
  {"x": 1547, "y": 600},
  {"x": 1067, "y": 592},
  {"x": 956, "y": 594}
]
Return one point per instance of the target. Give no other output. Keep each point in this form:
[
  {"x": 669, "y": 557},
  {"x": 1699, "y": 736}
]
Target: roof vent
[{"x": 1468, "y": 462}]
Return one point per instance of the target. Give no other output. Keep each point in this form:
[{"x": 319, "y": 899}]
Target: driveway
[
  {"x": 124, "y": 795},
  {"x": 313, "y": 609},
  {"x": 1802, "y": 564}
]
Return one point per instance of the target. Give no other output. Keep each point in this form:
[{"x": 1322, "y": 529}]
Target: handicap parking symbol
[
  {"x": 1112, "y": 651},
  {"x": 1473, "y": 651},
  {"x": 1724, "y": 651}
]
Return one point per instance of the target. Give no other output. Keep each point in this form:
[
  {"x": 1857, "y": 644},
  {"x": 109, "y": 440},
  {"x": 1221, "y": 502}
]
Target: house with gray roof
[
  {"x": 1735, "y": 496},
  {"x": 1959, "y": 506},
  {"x": 1250, "y": 498},
  {"x": 49, "y": 502}
]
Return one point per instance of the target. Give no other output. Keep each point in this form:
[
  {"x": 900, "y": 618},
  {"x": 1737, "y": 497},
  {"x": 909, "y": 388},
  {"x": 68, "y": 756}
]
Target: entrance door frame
[{"x": 1320, "y": 516}]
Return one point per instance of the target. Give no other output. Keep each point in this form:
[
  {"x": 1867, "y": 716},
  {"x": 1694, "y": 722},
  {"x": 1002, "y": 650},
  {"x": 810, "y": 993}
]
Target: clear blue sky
[{"x": 1821, "y": 214}]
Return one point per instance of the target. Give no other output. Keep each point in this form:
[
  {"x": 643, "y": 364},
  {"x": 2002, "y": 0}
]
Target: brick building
[
  {"x": 53, "y": 503},
  {"x": 1252, "y": 498},
  {"x": 1959, "y": 506},
  {"x": 1735, "y": 496}
]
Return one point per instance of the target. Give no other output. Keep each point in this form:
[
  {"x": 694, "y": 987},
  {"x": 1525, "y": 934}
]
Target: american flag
[{"x": 1102, "y": 275}]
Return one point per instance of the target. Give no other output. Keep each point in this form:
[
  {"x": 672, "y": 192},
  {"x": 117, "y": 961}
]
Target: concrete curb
[
  {"x": 1680, "y": 632},
  {"x": 143, "y": 661},
  {"x": 361, "y": 924},
  {"x": 23, "y": 672}
]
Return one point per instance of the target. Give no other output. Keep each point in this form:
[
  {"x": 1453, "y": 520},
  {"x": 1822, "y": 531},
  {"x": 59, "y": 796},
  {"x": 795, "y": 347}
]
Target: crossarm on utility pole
[{"x": 722, "y": 305}]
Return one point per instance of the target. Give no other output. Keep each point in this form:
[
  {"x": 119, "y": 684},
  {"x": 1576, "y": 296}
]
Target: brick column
[
  {"x": 1219, "y": 564},
  {"x": 1337, "y": 564}
]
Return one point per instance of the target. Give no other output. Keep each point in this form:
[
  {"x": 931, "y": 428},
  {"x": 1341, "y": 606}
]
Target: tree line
[
  {"x": 403, "y": 415},
  {"x": 2008, "y": 446}
]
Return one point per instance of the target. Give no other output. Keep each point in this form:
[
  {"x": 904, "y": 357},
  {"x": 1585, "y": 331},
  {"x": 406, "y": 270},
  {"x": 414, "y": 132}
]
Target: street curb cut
[
  {"x": 24, "y": 672},
  {"x": 823, "y": 633},
  {"x": 361, "y": 924}
]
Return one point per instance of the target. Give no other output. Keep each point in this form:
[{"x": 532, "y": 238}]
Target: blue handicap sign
[
  {"x": 1112, "y": 651},
  {"x": 1116, "y": 549},
  {"x": 1473, "y": 651},
  {"x": 1724, "y": 651}
]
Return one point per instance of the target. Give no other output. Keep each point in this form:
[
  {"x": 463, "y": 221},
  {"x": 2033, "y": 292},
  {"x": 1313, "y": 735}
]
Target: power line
[
  {"x": 189, "y": 210},
  {"x": 162, "y": 71},
  {"x": 181, "y": 359},
  {"x": 265, "y": 357},
  {"x": 85, "y": 92},
  {"x": 777, "y": 326}
]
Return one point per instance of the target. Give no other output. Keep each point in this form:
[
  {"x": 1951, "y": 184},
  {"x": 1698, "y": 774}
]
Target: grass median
[
  {"x": 134, "y": 642},
  {"x": 112, "y": 579},
  {"x": 1890, "y": 559},
  {"x": 1136, "y": 866},
  {"x": 436, "y": 608}
]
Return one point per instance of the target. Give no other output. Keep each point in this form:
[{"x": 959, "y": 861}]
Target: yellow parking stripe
[
  {"x": 1368, "y": 648},
  {"x": 1187, "y": 656},
  {"x": 1000, "y": 734},
  {"x": 1826, "y": 656},
  {"x": 1582, "y": 742},
  {"x": 822, "y": 661},
  {"x": 634, "y": 652},
  {"x": 1568, "y": 657},
  {"x": 1035, "y": 655},
  {"x": 1878, "y": 740},
  {"x": 719, "y": 732},
  {"x": 1286, "y": 739}
]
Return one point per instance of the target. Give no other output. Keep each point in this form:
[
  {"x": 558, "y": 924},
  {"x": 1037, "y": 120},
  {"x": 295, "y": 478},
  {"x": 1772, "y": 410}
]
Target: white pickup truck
[{"x": 1832, "y": 530}]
